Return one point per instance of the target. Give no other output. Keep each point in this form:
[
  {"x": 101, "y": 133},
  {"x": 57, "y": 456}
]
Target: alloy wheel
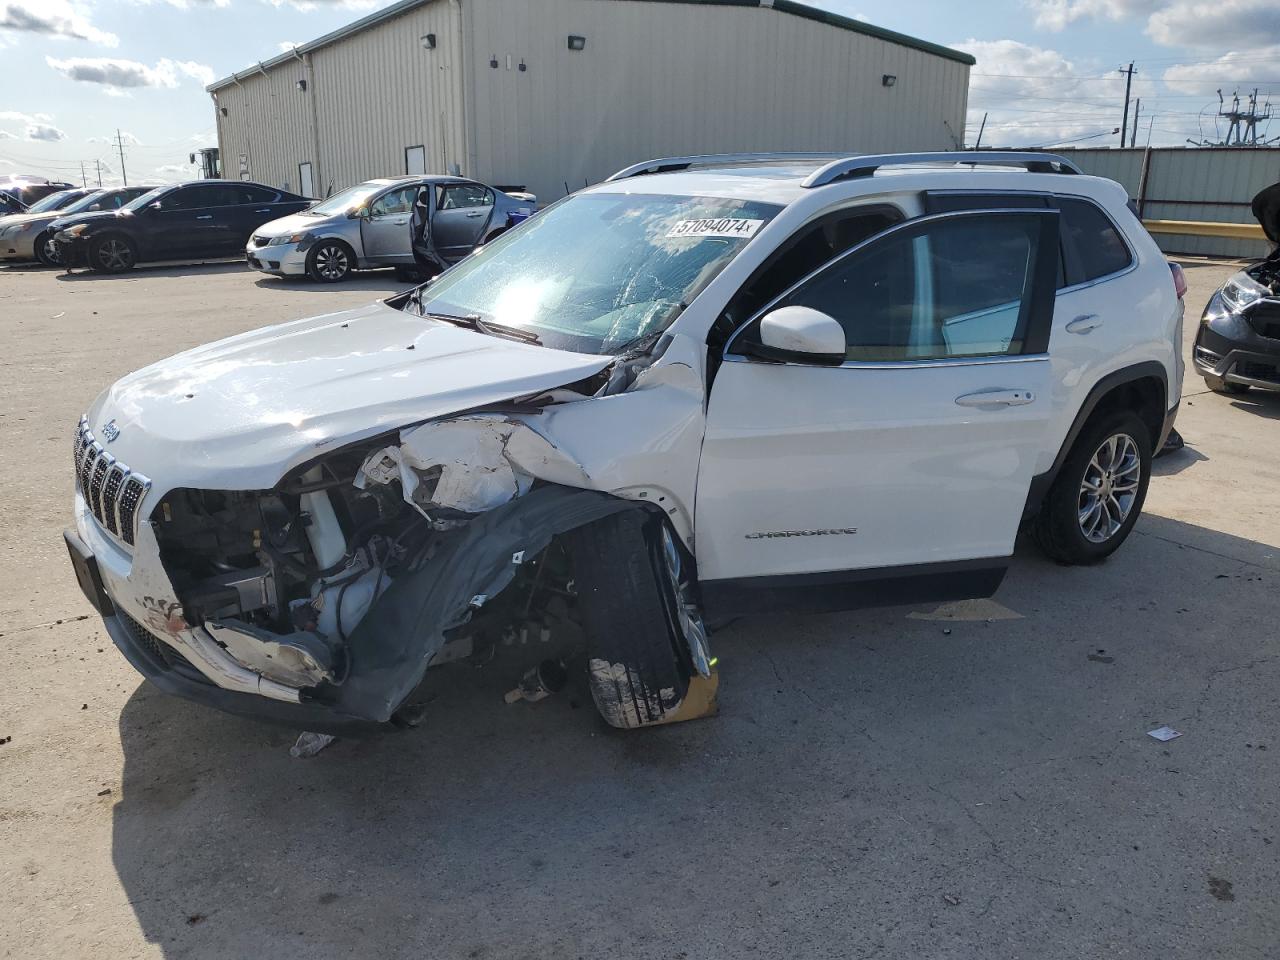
[
  {"x": 115, "y": 254},
  {"x": 51, "y": 254},
  {"x": 1109, "y": 488},
  {"x": 688, "y": 621},
  {"x": 331, "y": 262}
]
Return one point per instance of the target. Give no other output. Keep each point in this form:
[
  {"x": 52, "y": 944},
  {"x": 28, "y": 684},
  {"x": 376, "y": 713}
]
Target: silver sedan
[{"x": 367, "y": 226}]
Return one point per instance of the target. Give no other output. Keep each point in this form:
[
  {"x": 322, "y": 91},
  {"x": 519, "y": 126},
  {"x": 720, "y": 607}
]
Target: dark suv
[
  {"x": 205, "y": 219},
  {"x": 1238, "y": 343}
]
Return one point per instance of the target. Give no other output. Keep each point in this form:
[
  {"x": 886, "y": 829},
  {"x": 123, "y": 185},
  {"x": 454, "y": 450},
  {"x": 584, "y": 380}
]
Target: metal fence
[{"x": 1210, "y": 184}]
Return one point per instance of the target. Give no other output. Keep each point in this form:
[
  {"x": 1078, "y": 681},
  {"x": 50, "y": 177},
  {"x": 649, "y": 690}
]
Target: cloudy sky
[{"x": 75, "y": 72}]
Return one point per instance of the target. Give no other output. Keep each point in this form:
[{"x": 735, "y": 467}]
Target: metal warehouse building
[{"x": 552, "y": 94}]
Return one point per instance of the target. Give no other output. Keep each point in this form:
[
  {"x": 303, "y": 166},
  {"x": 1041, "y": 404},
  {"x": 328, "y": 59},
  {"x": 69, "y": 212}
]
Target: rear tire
[
  {"x": 47, "y": 250},
  {"x": 1218, "y": 385},
  {"x": 1098, "y": 494},
  {"x": 637, "y": 665},
  {"x": 330, "y": 261},
  {"x": 112, "y": 254}
]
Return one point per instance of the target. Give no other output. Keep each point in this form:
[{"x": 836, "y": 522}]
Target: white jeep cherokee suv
[{"x": 709, "y": 386}]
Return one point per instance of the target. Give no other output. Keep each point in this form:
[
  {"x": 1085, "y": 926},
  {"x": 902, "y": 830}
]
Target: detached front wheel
[{"x": 646, "y": 638}]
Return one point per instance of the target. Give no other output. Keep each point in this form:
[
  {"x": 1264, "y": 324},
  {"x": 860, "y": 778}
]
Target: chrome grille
[{"x": 110, "y": 489}]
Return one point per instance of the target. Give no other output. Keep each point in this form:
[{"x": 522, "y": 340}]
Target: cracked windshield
[{"x": 595, "y": 274}]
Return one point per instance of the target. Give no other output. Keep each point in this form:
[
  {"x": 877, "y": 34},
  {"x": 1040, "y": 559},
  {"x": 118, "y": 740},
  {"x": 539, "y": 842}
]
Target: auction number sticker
[{"x": 731, "y": 227}]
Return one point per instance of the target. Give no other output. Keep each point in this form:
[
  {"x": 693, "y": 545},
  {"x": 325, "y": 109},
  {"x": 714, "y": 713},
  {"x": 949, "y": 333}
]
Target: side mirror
[
  {"x": 800, "y": 335},
  {"x": 359, "y": 213},
  {"x": 154, "y": 206}
]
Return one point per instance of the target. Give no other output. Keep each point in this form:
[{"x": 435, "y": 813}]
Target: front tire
[
  {"x": 1218, "y": 385},
  {"x": 47, "y": 250},
  {"x": 1098, "y": 495},
  {"x": 112, "y": 254},
  {"x": 330, "y": 261},
  {"x": 638, "y": 664}
]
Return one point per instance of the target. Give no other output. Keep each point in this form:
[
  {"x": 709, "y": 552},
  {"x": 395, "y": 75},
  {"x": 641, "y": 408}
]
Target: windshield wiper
[{"x": 473, "y": 321}]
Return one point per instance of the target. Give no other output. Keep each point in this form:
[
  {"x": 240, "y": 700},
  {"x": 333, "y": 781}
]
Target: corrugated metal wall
[
  {"x": 1214, "y": 184},
  {"x": 380, "y": 91},
  {"x": 666, "y": 78},
  {"x": 655, "y": 79},
  {"x": 370, "y": 96}
]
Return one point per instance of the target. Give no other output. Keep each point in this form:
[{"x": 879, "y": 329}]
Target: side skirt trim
[{"x": 854, "y": 589}]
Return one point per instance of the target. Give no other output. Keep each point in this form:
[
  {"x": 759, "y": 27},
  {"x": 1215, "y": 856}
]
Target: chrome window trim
[
  {"x": 857, "y": 248},
  {"x": 1084, "y": 284}
]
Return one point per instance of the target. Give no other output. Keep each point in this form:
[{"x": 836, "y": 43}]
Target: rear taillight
[{"x": 1179, "y": 279}]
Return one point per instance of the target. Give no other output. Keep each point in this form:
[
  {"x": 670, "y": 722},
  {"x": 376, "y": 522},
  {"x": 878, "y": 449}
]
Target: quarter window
[
  {"x": 958, "y": 287},
  {"x": 1100, "y": 250}
]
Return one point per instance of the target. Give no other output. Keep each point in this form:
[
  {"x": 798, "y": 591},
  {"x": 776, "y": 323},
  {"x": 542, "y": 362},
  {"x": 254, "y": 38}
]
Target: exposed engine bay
[{"x": 366, "y": 565}]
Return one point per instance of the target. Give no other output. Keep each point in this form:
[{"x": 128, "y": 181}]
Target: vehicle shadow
[
  {"x": 861, "y": 762},
  {"x": 377, "y": 280},
  {"x": 166, "y": 269},
  {"x": 1260, "y": 403},
  {"x": 1174, "y": 462}
]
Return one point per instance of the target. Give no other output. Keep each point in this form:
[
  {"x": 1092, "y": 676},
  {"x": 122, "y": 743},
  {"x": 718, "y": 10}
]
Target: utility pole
[
  {"x": 119, "y": 145},
  {"x": 99, "y": 163},
  {"x": 1137, "y": 110},
  {"x": 84, "y": 180},
  {"x": 1128, "y": 83},
  {"x": 978, "y": 145}
]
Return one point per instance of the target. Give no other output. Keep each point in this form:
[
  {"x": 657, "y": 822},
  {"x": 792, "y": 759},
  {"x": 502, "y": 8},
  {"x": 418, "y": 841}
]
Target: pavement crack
[{"x": 1192, "y": 546}]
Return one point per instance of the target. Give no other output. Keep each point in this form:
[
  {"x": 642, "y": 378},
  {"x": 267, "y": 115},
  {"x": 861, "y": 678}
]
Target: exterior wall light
[
  {"x": 888, "y": 80},
  {"x": 428, "y": 41},
  {"x": 493, "y": 62},
  {"x": 302, "y": 86},
  {"x": 577, "y": 43}
]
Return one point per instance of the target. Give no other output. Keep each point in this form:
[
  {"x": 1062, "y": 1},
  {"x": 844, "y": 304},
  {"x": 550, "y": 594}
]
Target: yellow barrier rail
[{"x": 1201, "y": 228}]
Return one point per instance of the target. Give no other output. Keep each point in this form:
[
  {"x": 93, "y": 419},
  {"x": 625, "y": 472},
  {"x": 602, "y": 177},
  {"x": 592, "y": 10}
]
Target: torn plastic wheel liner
[{"x": 394, "y": 643}]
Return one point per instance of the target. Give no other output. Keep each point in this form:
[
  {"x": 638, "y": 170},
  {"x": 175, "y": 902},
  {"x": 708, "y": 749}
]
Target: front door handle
[
  {"x": 268, "y": 210},
  {"x": 1085, "y": 323},
  {"x": 997, "y": 398},
  {"x": 205, "y": 216}
]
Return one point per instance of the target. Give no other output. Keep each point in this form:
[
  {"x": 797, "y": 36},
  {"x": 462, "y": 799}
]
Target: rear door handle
[
  {"x": 476, "y": 213},
  {"x": 205, "y": 216},
  {"x": 997, "y": 398},
  {"x": 268, "y": 210},
  {"x": 1085, "y": 323},
  {"x": 401, "y": 223}
]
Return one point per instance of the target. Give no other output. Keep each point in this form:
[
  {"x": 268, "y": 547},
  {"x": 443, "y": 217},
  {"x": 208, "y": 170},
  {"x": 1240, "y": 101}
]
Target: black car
[
  {"x": 1238, "y": 343},
  {"x": 201, "y": 220},
  {"x": 27, "y": 190}
]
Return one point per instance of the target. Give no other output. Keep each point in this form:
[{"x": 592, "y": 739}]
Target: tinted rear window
[{"x": 1100, "y": 249}]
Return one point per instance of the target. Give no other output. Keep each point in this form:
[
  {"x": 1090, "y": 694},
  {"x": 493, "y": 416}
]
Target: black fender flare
[{"x": 1146, "y": 370}]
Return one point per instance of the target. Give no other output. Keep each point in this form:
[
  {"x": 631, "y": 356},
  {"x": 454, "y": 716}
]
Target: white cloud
[
  {"x": 57, "y": 18},
  {"x": 1221, "y": 25},
  {"x": 1058, "y": 14},
  {"x": 1261, "y": 66},
  {"x": 286, "y": 45},
  {"x": 1035, "y": 96},
  {"x": 124, "y": 74},
  {"x": 6, "y": 135},
  {"x": 46, "y": 132},
  {"x": 308, "y": 5},
  {"x": 129, "y": 139}
]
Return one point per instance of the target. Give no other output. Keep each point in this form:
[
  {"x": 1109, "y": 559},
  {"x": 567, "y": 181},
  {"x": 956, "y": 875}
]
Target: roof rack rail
[
  {"x": 675, "y": 164},
  {"x": 848, "y": 168}
]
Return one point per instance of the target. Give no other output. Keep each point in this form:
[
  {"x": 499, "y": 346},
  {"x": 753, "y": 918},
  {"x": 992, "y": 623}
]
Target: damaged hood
[
  {"x": 239, "y": 413},
  {"x": 294, "y": 223},
  {"x": 1266, "y": 208}
]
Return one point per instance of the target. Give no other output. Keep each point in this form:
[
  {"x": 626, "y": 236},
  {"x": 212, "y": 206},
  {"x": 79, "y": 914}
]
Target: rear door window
[{"x": 1099, "y": 249}]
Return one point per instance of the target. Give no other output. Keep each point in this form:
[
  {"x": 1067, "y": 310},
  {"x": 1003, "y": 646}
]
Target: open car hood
[
  {"x": 1266, "y": 208},
  {"x": 241, "y": 412}
]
